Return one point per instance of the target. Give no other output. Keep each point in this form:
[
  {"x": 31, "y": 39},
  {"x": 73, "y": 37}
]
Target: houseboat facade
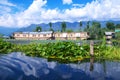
[{"x": 49, "y": 35}]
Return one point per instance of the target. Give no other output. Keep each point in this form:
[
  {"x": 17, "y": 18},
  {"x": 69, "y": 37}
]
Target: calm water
[{"x": 16, "y": 66}]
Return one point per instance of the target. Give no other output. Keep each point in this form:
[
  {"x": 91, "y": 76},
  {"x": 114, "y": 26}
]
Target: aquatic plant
[{"x": 62, "y": 50}]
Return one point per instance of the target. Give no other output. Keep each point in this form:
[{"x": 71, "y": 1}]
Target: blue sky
[
  {"x": 22, "y": 13},
  {"x": 51, "y": 4}
]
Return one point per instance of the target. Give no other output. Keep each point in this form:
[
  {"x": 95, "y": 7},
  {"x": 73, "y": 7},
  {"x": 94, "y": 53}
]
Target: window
[
  {"x": 24, "y": 35},
  {"x": 17, "y": 35},
  {"x": 58, "y": 35},
  {"x": 44, "y": 35},
  {"x": 38, "y": 35},
  {"x": 34, "y": 35}
]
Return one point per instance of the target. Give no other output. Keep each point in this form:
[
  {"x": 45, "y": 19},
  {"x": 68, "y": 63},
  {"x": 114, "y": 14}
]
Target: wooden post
[
  {"x": 91, "y": 48},
  {"x": 91, "y": 63}
]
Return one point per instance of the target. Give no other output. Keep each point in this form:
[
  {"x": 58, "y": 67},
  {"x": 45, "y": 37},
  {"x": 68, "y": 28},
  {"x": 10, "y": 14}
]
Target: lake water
[{"x": 17, "y": 66}]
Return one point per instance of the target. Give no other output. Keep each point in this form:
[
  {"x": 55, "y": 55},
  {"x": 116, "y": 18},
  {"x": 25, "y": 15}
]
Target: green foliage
[
  {"x": 117, "y": 26},
  {"x": 51, "y": 29},
  {"x": 110, "y": 26},
  {"x": 80, "y": 24},
  {"x": 38, "y": 29},
  {"x": 50, "y": 24},
  {"x": 5, "y": 47},
  {"x": 69, "y": 30},
  {"x": 117, "y": 35},
  {"x": 95, "y": 31},
  {"x": 63, "y": 25},
  {"x": 62, "y": 50},
  {"x": 88, "y": 24},
  {"x": 96, "y": 24}
]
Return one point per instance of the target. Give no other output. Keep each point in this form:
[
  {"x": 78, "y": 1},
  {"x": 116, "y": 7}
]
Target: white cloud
[
  {"x": 78, "y": 5},
  {"x": 37, "y": 13},
  {"x": 67, "y": 1},
  {"x": 5, "y": 2},
  {"x": 5, "y": 7},
  {"x": 25, "y": 18}
]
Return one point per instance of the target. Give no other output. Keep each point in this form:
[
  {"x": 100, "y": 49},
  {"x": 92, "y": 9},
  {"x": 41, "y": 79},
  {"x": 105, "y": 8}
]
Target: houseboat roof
[
  {"x": 46, "y": 32},
  {"x": 109, "y": 33},
  {"x": 117, "y": 30}
]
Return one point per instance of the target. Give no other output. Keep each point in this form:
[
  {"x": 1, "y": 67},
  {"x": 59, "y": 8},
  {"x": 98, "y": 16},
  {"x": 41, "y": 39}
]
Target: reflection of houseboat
[
  {"x": 109, "y": 36},
  {"x": 48, "y": 35}
]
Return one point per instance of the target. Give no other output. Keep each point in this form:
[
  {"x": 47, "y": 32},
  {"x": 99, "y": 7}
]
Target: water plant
[{"x": 62, "y": 50}]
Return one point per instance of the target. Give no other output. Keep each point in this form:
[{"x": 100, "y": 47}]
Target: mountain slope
[{"x": 7, "y": 31}]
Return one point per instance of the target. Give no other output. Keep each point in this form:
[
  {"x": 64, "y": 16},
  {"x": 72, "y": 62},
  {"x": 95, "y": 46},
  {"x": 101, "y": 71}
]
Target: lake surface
[{"x": 17, "y": 66}]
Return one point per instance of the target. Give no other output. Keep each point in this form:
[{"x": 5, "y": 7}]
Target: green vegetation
[
  {"x": 38, "y": 29},
  {"x": 95, "y": 31},
  {"x": 5, "y": 47},
  {"x": 117, "y": 26},
  {"x": 51, "y": 29},
  {"x": 63, "y": 25},
  {"x": 69, "y": 30},
  {"x": 110, "y": 26},
  {"x": 62, "y": 50},
  {"x": 80, "y": 24}
]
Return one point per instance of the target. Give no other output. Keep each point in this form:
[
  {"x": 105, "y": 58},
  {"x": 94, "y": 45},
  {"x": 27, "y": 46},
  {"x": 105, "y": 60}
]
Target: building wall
[{"x": 48, "y": 36}]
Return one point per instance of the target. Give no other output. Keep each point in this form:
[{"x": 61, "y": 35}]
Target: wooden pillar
[
  {"x": 91, "y": 48},
  {"x": 91, "y": 63}
]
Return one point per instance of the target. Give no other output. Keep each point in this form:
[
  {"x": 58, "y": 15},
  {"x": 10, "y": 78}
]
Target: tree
[
  {"x": 69, "y": 30},
  {"x": 88, "y": 24},
  {"x": 95, "y": 31},
  {"x": 51, "y": 29},
  {"x": 63, "y": 24},
  {"x": 118, "y": 26},
  {"x": 50, "y": 24},
  {"x": 80, "y": 24},
  {"x": 110, "y": 26},
  {"x": 38, "y": 29},
  {"x": 96, "y": 24}
]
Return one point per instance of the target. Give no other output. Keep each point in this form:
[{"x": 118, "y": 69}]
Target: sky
[{"x": 22, "y": 13}]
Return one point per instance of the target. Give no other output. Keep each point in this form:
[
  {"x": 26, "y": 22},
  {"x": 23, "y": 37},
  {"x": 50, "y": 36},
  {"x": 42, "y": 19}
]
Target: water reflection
[
  {"x": 91, "y": 63},
  {"x": 16, "y": 66}
]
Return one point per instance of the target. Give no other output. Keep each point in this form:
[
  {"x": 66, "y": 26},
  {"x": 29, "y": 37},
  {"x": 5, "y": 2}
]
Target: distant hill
[
  {"x": 7, "y": 31},
  {"x": 57, "y": 26},
  {"x": 45, "y": 27}
]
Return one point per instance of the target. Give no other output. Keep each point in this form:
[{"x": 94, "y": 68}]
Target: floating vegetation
[{"x": 65, "y": 50}]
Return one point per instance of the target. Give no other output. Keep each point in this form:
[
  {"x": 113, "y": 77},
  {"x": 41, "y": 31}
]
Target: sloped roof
[
  {"x": 46, "y": 32},
  {"x": 109, "y": 33}
]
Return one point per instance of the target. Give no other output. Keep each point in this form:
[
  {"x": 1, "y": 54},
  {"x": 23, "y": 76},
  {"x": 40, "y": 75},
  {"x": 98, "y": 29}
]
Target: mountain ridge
[{"x": 56, "y": 26}]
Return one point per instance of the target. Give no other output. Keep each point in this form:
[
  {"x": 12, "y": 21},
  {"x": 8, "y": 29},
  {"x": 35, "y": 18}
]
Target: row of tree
[
  {"x": 63, "y": 24},
  {"x": 93, "y": 28}
]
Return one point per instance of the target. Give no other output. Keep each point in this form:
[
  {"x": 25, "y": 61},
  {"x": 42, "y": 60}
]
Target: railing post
[{"x": 91, "y": 48}]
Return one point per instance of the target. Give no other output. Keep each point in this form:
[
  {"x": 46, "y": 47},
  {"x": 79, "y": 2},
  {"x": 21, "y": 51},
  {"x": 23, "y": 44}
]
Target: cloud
[
  {"x": 67, "y": 1},
  {"x": 78, "y": 5},
  {"x": 25, "y": 18},
  {"x": 37, "y": 13},
  {"x": 5, "y": 6},
  {"x": 6, "y": 3}
]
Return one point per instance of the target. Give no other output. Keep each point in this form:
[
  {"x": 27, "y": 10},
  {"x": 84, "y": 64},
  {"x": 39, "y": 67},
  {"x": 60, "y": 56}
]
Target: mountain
[
  {"x": 7, "y": 31},
  {"x": 56, "y": 26}
]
